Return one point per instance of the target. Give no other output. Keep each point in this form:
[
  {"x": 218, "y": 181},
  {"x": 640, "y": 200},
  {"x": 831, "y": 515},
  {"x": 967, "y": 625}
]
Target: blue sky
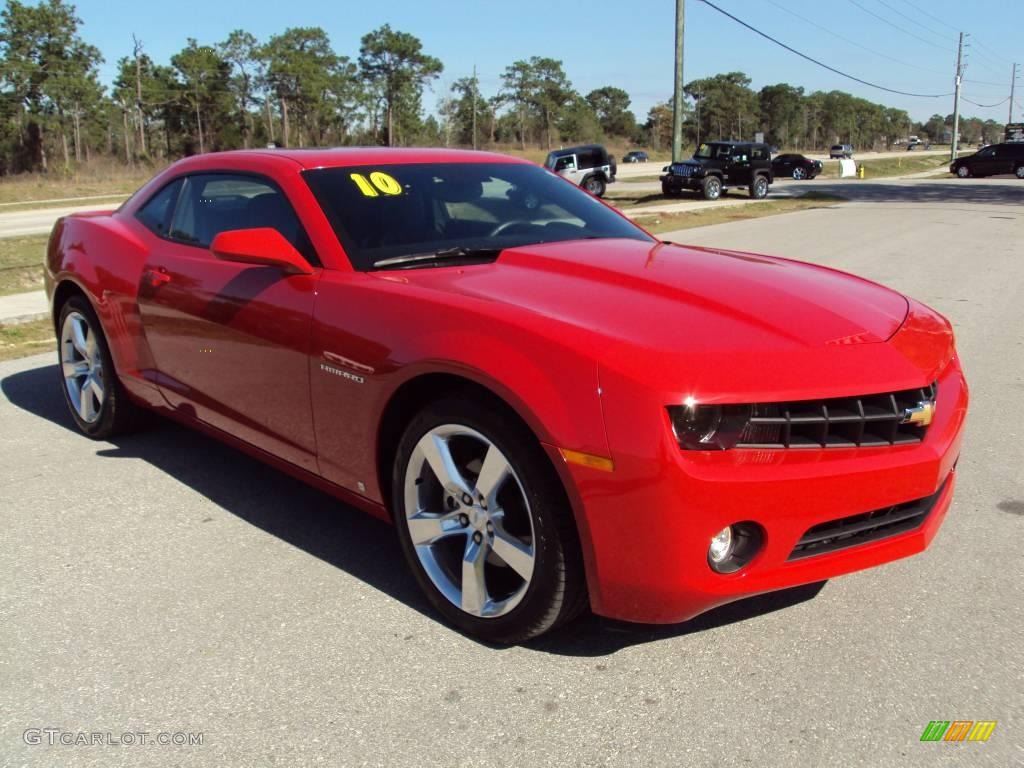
[{"x": 630, "y": 45}]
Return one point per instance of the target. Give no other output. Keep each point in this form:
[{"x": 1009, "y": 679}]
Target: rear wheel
[
  {"x": 595, "y": 185},
  {"x": 963, "y": 172},
  {"x": 484, "y": 523},
  {"x": 759, "y": 188},
  {"x": 98, "y": 403},
  {"x": 711, "y": 188}
]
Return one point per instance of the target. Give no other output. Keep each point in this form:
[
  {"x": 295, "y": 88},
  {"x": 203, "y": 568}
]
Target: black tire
[
  {"x": 1019, "y": 171},
  {"x": 594, "y": 185},
  {"x": 963, "y": 172},
  {"x": 799, "y": 173},
  {"x": 556, "y": 591},
  {"x": 759, "y": 187},
  {"x": 711, "y": 188},
  {"x": 117, "y": 414},
  {"x": 669, "y": 192}
]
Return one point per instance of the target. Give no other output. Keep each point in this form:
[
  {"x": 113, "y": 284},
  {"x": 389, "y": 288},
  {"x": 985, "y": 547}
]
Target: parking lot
[{"x": 166, "y": 583}]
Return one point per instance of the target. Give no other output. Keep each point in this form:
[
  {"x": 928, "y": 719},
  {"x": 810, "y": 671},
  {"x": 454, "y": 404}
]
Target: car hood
[
  {"x": 730, "y": 326},
  {"x": 665, "y": 296}
]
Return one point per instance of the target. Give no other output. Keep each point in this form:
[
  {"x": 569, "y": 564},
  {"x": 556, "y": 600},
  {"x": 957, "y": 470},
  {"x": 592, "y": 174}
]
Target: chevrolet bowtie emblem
[{"x": 920, "y": 415}]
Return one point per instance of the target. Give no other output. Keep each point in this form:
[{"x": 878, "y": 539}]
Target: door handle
[{"x": 156, "y": 278}]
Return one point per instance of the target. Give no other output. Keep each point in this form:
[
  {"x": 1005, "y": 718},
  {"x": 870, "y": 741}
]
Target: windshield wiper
[{"x": 458, "y": 252}]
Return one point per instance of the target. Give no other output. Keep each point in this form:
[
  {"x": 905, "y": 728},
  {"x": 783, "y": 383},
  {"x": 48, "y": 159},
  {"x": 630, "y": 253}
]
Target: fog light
[
  {"x": 721, "y": 545},
  {"x": 734, "y": 546}
]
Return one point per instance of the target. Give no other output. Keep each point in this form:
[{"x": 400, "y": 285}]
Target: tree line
[{"x": 294, "y": 89}]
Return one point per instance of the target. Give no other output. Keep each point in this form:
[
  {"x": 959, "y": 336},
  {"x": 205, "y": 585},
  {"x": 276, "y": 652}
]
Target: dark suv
[
  {"x": 990, "y": 161},
  {"x": 590, "y": 166},
  {"x": 719, "y": 165}
]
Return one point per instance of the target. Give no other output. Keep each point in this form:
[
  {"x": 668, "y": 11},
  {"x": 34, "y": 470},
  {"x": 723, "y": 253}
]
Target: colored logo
[
  {"x": 958, "y": 730},
  {"x": 920, "y": 415}
]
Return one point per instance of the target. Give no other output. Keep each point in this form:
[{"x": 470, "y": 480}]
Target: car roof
[
  {"x": 355, "y": 156},
  {"x": 573, "y": 150}
]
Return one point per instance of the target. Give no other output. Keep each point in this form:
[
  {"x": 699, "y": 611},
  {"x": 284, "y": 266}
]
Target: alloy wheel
[
  {"x": 82, "y": 367},
  {"x": 469, "y": 521},
  {"x": 799, "y": 173}
]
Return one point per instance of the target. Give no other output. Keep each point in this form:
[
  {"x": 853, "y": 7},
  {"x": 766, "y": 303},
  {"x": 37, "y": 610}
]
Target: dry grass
[
  {"x": 102, "y": 177},
  {"x": 723, "y": 214},
  {"x": 21, "y": 263},
  {"x": 26, "y": 339}
]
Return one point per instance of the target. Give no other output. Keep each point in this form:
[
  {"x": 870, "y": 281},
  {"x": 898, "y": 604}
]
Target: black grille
[
  {"x": 840, "y": 422},
  {"x": 865, "y": 527}
]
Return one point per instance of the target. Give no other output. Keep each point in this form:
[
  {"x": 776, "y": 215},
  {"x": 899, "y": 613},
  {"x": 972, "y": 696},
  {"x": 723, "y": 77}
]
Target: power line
[
  {"x": 914, "y": 21},
  {"x": 821, "y": 64},
  {"x": 986, "y": 48},
  {"x": 901, "y": 29},
  {"x": 986, "y": 106},
  {"x": 923, "y": 12},
  {"x": 902, "y": 63}
]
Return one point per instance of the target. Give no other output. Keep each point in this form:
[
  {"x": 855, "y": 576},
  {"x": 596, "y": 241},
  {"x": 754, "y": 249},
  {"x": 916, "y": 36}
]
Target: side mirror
[{"x": 263, "y": 247}]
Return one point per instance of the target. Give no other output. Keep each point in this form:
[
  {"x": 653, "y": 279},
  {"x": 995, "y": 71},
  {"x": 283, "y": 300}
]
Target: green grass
[
  {"x": 21, "y": 263},
  {"x": 723, "y": 214},
  {"x": 895, "y": 166},
  {"x": 26, "y": 339}
]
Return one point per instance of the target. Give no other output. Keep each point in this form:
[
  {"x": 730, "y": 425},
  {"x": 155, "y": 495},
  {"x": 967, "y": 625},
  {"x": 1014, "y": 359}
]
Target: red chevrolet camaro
[{"x": 555, "y": 409}]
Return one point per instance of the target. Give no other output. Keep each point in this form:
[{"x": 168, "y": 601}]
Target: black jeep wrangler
[{"x": 719, "y": 165}]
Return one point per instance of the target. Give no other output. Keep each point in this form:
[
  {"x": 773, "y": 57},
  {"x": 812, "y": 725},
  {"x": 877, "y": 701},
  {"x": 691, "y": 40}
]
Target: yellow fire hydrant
[{"x": 860, "y": 171}]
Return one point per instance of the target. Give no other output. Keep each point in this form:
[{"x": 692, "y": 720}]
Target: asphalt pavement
[{"x": 163, "y": 583}]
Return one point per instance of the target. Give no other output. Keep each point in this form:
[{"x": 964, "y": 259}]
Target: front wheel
[
  {"x": 1019, "y": 171},
  {"x": 595, "y": 185},
  {"x": 799, "y": 173},
  {"x": 759, "y": 188},
  {"x": 484, "y": 523},
  {"x": 712, "y": 188}
]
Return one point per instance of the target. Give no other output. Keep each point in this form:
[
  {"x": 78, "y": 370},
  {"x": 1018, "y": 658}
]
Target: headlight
[{"x": 708, "y": 427}]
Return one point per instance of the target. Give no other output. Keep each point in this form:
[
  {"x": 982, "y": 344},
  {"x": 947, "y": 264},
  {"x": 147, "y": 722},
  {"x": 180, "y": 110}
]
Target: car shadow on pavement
[{"x": 333, "y": 531}]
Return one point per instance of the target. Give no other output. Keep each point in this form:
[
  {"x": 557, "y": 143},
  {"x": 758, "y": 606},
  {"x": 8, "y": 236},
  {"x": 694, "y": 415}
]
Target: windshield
[{"x": 385, "y": 211}]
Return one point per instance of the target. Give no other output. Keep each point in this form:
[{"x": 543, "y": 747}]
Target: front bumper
[
  {"x": 674, "y": 182},
  {"x": 646, "y": 526}
]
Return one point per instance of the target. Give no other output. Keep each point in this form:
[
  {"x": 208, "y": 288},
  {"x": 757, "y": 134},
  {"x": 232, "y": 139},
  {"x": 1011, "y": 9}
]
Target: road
[
  {"x": 39, "y": 221},
  {"x": 163, "y": 582}
]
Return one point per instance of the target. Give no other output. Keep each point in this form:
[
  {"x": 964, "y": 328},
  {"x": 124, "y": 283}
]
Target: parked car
[
  {"x": 840, "y": 151},
  {"x": 719, "y": 165},
  {"x": 797, "y": 166},
  {"x": 991, "y": 161},
  {"x": 635, "y": 156},
  {"x": 589, "y": 166},
  {"x": 555, "y": 409}
]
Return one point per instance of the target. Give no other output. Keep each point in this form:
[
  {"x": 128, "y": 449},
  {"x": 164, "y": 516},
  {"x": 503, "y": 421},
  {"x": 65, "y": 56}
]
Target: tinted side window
[
  {"x": 565, "y": 163},
  {"x": 759, "y": 153},
  {"x": 156, "y": 214},
  {"x": 217, "y": 202}
]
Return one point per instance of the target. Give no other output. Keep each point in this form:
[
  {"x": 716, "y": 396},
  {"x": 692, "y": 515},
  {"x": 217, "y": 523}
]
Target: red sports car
[{"x": 555, "y": 409}]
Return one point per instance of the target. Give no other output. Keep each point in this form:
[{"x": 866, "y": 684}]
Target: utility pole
[
  {"x": 956, "y": 97},
  {"x": 677, "y": 102},
  {"x": 1013, "y": 81},
  {"x": 474, "y": 106}
]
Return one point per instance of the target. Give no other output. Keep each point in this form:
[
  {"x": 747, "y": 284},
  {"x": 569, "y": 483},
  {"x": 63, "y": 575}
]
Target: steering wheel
[{"x": 506, "y": 225}]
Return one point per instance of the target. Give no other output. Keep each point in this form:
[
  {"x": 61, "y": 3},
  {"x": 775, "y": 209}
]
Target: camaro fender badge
[
  {"x": 338, "y": 360},
  {"x": 344, "y": 374},
  {"x": 921, "y": 415}
]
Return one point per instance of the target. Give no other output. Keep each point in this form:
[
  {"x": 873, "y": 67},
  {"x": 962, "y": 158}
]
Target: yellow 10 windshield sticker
[{"x": 378, "y": 183}]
